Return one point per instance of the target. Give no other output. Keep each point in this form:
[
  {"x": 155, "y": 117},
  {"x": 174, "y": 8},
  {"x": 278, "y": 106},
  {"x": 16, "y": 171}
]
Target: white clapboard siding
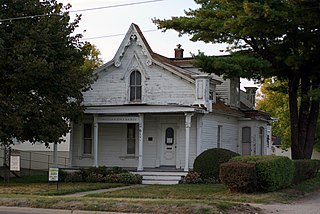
[{"x": 159, "y": 86}]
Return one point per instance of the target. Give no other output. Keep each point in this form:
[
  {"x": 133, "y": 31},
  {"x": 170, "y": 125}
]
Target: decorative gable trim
[
  {"x": 135, "y": 64},
  {"x": 132, "y": 37}
]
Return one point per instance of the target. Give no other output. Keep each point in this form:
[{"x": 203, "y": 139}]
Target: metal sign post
[{"x": 54, "y": 176}]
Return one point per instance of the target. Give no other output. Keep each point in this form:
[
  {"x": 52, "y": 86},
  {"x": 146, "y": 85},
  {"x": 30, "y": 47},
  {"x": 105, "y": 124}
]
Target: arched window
[
  {"x": 169, "y": 136},
  {"x": 135, "y": 86}
]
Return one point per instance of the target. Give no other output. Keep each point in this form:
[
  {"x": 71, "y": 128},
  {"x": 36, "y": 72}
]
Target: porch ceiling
[{"x": 135, "y": 109}]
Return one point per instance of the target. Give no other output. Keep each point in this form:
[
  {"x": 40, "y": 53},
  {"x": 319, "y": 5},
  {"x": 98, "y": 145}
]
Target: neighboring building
[
  {"x": 39, "y": 157},
  {"x": 148, "y": 111}
]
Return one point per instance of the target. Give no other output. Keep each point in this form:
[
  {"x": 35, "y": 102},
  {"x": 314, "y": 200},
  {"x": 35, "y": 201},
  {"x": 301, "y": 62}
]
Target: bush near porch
[
  {"x": 100, "y": 174},
  {"x": 208, "y": 162}
]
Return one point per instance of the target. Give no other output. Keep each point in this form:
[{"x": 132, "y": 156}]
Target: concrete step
[
  {"x": 161, "y": 182},
  {"x": 161, "y": 177},
  {"x": 165, "y": 178}
]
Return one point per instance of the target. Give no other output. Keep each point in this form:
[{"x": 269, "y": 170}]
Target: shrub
[
  {"x": 273, "y": 172},
  {"x": 74, "y": 177},
  {"x": 95, "y": 178},
  {"x": 193, "y": 178},
  {"x": 239, "y": 176},
  {"x": 305, "y": 169},
  {"x": 62, "y": 175},
  {"x": 126, "y": 178},
  {"x": 208, "y": 162},
  {"x": 117, "y": 170}
]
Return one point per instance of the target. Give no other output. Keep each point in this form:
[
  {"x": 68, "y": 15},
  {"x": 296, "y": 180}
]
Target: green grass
[{"x": 183, "y": 198}]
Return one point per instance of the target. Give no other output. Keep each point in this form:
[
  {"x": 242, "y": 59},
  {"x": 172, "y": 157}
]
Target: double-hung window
[
  {"x": 87, "y": 139},
  {"x": 131, "y": 139},
  {"x": 135, "y": 86}
]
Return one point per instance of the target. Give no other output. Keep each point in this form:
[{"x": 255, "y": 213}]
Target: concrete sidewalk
[
  {"x": 27, "y": 210},
  {"x": 81, "y": 194}
]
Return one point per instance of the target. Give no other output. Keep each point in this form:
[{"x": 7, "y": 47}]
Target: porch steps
[{"x": 164, "y": 178}]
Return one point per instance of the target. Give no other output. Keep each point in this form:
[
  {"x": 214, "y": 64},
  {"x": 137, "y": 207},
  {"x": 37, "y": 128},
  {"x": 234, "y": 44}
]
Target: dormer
[{"x": 205, "y": 93}]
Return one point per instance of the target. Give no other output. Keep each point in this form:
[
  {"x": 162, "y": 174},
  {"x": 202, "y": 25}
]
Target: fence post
[{"x": 30, "y": 162}]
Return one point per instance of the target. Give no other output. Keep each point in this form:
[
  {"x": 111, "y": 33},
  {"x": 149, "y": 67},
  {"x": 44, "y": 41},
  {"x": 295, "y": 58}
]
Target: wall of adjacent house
[
  {"x": 229, "y": 135},
  {"x": 159, "y": 86},
  {"x": 287, "y": 153},
  {"x": 255, "y": 138}
]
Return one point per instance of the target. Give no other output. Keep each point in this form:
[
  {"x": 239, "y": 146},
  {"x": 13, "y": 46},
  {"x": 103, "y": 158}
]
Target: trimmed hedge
[
  {"x": 100, "y": 174},
  {"x": 239, "y": 176},
  {"x": 273, "y": 172},
  {"x": 208, "y": 162},
  {"x": 305, "y": 169}
]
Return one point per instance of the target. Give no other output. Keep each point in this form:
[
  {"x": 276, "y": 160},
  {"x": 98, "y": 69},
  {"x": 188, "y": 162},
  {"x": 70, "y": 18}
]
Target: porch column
[
  {"x": 95, "y": 140},
  {"x": 140, "y": 157},
  {"x": 188, "y": 126},
  {"x": 199, "y": 133}
]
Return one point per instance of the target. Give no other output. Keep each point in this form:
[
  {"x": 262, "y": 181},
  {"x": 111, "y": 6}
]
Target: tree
[
  {"x": 274, "y": 99},
  {"x": 92, "y": 60},
  {"x": 282, "y": 35},
  {"x": 41, "y": 71}
]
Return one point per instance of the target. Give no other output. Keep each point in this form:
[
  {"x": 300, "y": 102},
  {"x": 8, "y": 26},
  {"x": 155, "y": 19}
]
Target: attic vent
[{"x": 133, "y": 37}]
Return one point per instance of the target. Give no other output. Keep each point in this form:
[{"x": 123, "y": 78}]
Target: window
[
  {"x": 131, "y": 139},
  {"x": 246, "y": 141},
  {"x": 219, "y": 135},
  {"x": 135, "y": 86},
  {"x": 261, "y": 137},
  {"x": 169, "y": 136},
  {"x": 87, "y": 138}
]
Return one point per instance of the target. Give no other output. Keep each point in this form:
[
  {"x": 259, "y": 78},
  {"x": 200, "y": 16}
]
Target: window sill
[
  {"x": 86, "y": 156},
  {"x": 129, "y": 157}
]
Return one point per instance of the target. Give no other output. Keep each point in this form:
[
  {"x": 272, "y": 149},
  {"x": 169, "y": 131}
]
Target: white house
[{"x": 149, "y": 111}]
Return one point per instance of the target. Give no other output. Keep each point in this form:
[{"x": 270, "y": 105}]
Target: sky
[{"x": 107, "y": 26}]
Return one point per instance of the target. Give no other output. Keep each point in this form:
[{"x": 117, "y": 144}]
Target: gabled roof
[
  {"x": 220, "y": 107},
  {"x": 172, "y": 65}
]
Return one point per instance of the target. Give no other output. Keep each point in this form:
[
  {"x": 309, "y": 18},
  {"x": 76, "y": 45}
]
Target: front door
[{"x": 168, "y": 157}]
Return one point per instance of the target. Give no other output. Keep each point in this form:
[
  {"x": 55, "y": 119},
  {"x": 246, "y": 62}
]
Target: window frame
[
  {"x": 86, "y": 139},
  {"x": 219, "y": 136},
  {"x": 131, "y": 138},
  {"x": 135, "y": 86}
]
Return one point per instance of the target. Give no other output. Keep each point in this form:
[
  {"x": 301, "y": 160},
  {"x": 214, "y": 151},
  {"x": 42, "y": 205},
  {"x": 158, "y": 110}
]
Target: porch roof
[{"x": 136, "y": 109}]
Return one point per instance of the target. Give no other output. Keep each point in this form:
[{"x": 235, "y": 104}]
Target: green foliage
[
  {"x": 305, "y": 169},
  {"x": 239, "y": 176},
  {"x": 125, "y": 178},
  {"x": 273, "y": 172},
  {"x": 41, "y": 71},
  {"x": 73, "y": 177},
  {"x": 62, "y": 175},
  {"x": 286, "y": 47},
  {"x": 193, "y": 178},
  {"x": 92, "y": 59},
  {"x": 208, "y": 162},
  {"x": 274, "y": 100},
  {"x": 101, "y": 174}
]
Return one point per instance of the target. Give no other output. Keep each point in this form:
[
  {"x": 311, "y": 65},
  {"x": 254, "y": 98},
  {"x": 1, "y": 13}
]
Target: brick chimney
[{"x": 178, "y": 52}]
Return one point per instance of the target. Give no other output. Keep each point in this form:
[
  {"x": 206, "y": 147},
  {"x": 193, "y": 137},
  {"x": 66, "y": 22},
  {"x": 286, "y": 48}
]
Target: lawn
[{"x": 182, "y": 198}]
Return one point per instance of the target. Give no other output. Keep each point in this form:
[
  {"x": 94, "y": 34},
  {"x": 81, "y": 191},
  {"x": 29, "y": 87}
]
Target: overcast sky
[{"x": 113, "y": 20}]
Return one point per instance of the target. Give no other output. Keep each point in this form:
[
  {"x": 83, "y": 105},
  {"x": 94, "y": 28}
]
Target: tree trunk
[
  {"x": 312, "y": 127},
  {"x": 296, "y": 149},
  {"x": 304, "y": 123}
]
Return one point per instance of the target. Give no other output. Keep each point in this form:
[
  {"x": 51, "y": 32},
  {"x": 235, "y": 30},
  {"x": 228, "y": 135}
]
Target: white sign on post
[
  {"x": 53, "y": 174},
  {"x": 14, "y": 163}
]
